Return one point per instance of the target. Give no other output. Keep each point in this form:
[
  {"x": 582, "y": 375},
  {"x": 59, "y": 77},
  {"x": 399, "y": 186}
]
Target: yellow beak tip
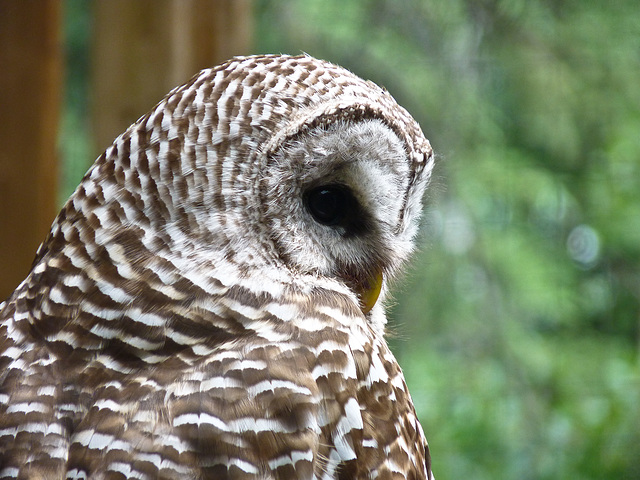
[{"x": 371, "y": 292}]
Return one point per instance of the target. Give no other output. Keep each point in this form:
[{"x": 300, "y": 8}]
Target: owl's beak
[{"x": 369, "y": 291}]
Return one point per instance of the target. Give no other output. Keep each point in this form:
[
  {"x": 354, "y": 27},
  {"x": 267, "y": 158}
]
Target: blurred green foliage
[{"x": 518, "y": 326}]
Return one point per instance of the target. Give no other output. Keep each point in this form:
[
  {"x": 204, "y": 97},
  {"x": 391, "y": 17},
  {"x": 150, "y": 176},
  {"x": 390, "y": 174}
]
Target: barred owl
[{"x": 209, "y": 303}]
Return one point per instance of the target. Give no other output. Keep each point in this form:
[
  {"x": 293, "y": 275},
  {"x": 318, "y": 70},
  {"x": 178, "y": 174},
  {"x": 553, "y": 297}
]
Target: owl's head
[
  {"x": 268, "y": 165},
  {"x": 342, "y": 200}
]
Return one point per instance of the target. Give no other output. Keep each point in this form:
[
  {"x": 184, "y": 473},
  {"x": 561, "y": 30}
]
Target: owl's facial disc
[{"x": 351, "y": 183}]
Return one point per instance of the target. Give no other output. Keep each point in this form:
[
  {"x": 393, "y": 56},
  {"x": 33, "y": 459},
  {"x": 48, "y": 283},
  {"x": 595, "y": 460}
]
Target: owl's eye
[{"x": 329, "y": 204}]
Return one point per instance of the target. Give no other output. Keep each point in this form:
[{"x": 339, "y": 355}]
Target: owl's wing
[
  {"x": 34, "y": 406},
  {"x": 392, "y": 429},
  {"x": 371, "y": 430},
  {"x": 246, "y": 409},
  {"x": 127, "y": 433}
]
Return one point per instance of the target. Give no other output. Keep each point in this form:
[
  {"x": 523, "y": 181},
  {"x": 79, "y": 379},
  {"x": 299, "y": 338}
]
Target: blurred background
[{"x": 518, "y": 326}]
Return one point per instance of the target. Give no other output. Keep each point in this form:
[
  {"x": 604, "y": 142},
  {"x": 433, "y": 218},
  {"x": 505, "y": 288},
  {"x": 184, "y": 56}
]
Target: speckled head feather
[{"x": 209, "y": 302}]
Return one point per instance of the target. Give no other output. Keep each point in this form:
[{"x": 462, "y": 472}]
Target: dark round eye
[{"x": 329, "y": 204}]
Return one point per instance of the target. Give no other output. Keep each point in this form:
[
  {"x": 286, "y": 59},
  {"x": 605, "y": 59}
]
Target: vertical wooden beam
[
  {"x": 144, "y": 48},
  {"x": 30, "y": 86}
]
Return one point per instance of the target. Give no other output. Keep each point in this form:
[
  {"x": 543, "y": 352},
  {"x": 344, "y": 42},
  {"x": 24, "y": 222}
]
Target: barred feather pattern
[{"x": 186, "y": 317}]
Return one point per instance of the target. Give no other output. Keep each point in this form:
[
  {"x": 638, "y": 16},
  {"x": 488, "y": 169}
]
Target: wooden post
[
  {"x": 30, "y": 86},
  {"x": 145, "y": 48}
]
